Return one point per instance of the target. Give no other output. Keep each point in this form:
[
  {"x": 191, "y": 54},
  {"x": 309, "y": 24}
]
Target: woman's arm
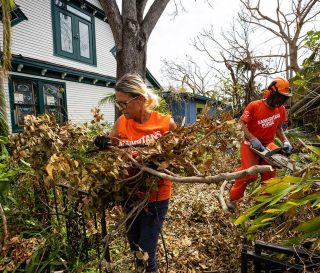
[
  {"x": 114, "y": 133},
  {"x": 172, "y": 125}
]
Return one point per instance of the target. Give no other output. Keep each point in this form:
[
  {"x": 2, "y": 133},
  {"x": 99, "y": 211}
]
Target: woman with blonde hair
[{"x": 137, "y": 125}]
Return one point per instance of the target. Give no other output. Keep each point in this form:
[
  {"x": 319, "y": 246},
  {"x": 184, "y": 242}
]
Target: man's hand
[
  {"x": 286, "y": 146},
  {"x": 102, "y": 142},
  {"x": 256, "y": 144}
]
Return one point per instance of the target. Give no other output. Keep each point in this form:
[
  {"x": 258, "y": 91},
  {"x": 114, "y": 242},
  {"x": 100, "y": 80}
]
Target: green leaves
[
  {"x": 242, "y": 218},
  {"x": 311, "y": 226},
  {"x": 5, "y": 172},
  {"x": 288, "y": 197}
]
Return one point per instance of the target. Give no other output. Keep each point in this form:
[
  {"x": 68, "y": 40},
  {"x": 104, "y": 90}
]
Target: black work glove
[{"x": 102, "y": 142}]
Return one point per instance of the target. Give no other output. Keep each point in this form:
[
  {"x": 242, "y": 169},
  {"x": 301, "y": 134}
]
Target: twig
[
  {"x": 137, "y": 209},
  {"x": 5, "y": 226},
  {"x": 193, "y": 167},
  {"x": 198, "y": 142},
  {"x": 220, "y": 198},
  {"x": 210, "y": 228},
  {"x": 170, "y": 173},
  {"x": 130, "y": 178}
]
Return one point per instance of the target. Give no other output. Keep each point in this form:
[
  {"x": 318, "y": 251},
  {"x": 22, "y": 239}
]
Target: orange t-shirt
[
  {"x": 263, "y": 121},
  {"x": 131, "y": 132}
]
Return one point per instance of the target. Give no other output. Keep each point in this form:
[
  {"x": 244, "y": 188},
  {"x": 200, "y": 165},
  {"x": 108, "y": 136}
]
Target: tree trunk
[
  {"x": 131, "y": 31},
  {"x": 132, "y": 58},
  {"x": 293, "y": 53}
]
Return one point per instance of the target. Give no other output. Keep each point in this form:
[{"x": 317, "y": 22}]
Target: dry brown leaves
[
  {"x": 60, "y": 153},
  {"x": 18, "y": 250},
  {"x": 198, "y": 235}
]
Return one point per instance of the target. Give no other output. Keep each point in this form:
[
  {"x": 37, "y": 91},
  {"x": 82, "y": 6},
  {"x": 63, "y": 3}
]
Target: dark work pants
[{"x": 145, "y": 229}]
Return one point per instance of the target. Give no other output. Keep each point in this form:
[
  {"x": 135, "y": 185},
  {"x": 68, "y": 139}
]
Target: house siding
[
  {"x": 81, "y": 98},
  {"x": 33, "y": 38},
  {"x": 192, "y": 112}
]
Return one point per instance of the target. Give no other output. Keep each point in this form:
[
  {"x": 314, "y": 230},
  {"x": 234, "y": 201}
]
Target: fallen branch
[
  {"x": 220, "y": 198},
  {"x": 205, "y": 179}
]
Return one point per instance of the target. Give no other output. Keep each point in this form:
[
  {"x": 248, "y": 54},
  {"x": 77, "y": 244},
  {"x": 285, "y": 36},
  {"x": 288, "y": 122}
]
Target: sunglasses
[{"x": 124, "y": 104}]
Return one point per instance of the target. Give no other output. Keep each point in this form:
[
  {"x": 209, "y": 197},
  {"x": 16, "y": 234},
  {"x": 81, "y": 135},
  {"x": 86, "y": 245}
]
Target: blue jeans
[{"x": 145, "y": 229}]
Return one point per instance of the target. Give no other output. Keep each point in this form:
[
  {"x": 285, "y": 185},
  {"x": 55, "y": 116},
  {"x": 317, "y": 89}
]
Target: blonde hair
[{"x": 132, "y": 83}]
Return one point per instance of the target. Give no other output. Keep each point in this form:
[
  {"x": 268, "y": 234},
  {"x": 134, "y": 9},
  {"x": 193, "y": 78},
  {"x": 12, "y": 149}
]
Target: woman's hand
[{"x": 102, "y": 142}]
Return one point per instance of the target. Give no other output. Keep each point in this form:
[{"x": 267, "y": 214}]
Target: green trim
[
  {"x": 113, "y": 52},
  {"x": 38, "y": 88},
  {"x": 20, "y": 16},
  {"x": 152, "y": 79},
  {"x": 149, "y": 76},
  {"x": 92, "y": 9},
  {"x": 75, "y": 55},
  {"x": 35, "y": 67}
]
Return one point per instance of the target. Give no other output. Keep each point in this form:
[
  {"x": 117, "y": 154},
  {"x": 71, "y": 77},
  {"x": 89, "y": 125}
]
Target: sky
[{"x": 172, "y": 36}]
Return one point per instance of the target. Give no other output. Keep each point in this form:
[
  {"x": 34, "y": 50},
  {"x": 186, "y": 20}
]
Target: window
[
  {"x": 35, "y": 97},
  {"x": 74, "y": 35},
  {"x": 16, "y": 14},
  {"x": 199, "y": 109}
]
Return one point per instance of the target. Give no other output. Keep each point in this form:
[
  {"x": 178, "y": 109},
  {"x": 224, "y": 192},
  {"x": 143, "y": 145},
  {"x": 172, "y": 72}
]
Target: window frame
[
  {"x": 37, "y": 92},
  {"x": 75, "y": 19}
]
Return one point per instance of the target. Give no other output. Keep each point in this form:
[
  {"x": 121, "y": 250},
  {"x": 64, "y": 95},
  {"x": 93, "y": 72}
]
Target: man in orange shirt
[
  {"x": 138, "y": 124},
  {"x": 261, "y": 121}
]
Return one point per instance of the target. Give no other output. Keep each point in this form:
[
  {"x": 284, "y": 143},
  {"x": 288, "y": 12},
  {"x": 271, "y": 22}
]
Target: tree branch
[
  {"x": 220, "y": 198},
  {"x": 153, "y": 16},
  {"x": 111, "y": 9},
  {"x": 205, "y": 179}
]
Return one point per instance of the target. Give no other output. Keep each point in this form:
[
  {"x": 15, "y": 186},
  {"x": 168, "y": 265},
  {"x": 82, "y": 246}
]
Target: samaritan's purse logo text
[{"x": 267, "y": 122}]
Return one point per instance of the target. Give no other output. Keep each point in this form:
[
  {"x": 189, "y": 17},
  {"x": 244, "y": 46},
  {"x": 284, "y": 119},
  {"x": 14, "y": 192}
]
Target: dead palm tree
[{"x": 5, "y": 61}]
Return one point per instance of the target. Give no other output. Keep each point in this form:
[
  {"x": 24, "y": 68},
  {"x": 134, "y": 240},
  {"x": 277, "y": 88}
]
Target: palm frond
[{"x": 110, "y": 98}]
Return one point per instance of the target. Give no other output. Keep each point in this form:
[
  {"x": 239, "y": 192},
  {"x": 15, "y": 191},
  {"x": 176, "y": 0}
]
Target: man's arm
[
  {"x": 246, "y": 131},
  {"x": 286, "y": 146},
  {"x": 254, "y": 142},
  {"x": 280, "y": 133}
]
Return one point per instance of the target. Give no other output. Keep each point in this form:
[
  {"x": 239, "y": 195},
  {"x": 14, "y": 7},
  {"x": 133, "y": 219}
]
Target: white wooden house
[{"x": 62, "y": 61}]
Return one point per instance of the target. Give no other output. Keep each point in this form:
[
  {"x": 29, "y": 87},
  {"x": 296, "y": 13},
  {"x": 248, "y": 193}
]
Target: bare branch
[
  {"x": 141, "y": 4},
  {"x": 153, "y": 16},
  {"x": 219, "y": 196},
  {"x": 111, "y": 9},
  {"x": 203, "y": 179}
]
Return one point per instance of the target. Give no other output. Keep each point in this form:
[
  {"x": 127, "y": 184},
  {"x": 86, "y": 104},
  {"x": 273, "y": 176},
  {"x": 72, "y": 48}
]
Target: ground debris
[{"x": 199, "y": 237}]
